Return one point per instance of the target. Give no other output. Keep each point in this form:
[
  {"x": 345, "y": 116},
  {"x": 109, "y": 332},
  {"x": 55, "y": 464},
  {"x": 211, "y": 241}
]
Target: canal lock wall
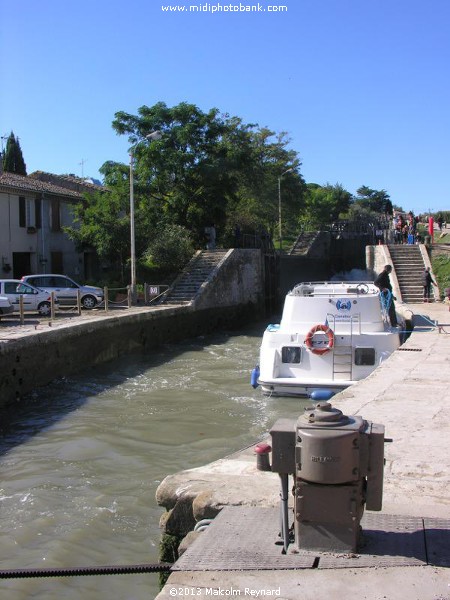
[
  {"x": 200, "y": 494},
  {"x": 232, "y": 297}
]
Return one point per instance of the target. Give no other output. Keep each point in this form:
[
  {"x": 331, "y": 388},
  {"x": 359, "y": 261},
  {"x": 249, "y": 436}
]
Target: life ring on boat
[{"x": 309, "y": 339}]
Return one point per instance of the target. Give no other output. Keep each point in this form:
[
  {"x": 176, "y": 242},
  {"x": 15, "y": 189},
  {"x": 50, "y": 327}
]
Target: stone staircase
[
  {"x": 197, "y": 272},
  {"x": 303, "y": 243},
  {"x": 408, "y": 265}
]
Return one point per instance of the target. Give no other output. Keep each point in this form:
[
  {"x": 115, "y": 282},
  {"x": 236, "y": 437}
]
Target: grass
[
  {"x": 442, "y": 238},
  {"x": 441, "y": 270},
  {"x": 440, "y": 259}
]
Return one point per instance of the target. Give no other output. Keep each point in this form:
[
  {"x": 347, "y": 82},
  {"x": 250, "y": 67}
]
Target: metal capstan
[{"x": 337, "y": 463}]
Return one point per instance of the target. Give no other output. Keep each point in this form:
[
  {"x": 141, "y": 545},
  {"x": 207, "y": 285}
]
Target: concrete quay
[{"x": 410, "y": 395}]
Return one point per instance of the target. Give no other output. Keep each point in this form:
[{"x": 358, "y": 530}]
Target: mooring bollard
[
  {"x": 262, "y": 451},
  {"x": 21, "y": 311},
  {"x": 52, "y": 306}
]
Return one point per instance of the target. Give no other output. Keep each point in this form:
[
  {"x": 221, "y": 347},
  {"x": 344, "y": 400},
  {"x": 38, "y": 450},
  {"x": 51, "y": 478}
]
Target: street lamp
[
  {"x": 279, "y": 204},
  {"x": 155, "y": 135}
]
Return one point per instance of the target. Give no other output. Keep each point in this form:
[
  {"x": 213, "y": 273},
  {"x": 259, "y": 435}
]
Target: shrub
[{"x": 171, "y": 248}]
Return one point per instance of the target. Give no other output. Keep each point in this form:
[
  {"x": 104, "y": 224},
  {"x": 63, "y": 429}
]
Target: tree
[
  {"x": 257, "y": 202},
  {"x": 204, "y": 168},
  {"x": 12, "y": 159},
  {"x": 170, "y": 248},
  {"x": 374, "y": 200},
  {"x": 207, "y": 167},
  {"x": 101, "y": 219},
  {"x": 188, "y": 174},
  {"x": 324, "y": 204}
]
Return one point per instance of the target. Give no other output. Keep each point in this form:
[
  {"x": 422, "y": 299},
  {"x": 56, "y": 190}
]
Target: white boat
[{"x": 331, "y": 335}]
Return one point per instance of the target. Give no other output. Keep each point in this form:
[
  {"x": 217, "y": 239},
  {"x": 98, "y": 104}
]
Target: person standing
[
  {"x": 210, "y": 233},
  {"x": 427, "y": 280},
  {"x": 383, "y": 282}
]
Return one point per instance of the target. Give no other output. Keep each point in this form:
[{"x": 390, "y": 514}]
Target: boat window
[
  {"x": 291, "y": 354},
  {"x": 364, "y": 356}
]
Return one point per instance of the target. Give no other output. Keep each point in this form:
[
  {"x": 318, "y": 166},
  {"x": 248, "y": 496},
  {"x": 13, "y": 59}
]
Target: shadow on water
[{"x": 45, "y": 406}]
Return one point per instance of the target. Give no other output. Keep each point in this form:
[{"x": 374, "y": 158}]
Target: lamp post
[
  {"x": 155, "y": 135},
  {"x": 279, "y": 204}
]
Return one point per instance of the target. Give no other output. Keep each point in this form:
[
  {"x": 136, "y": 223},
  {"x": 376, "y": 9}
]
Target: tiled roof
[
  {"x": 71, "y": 182},
  {"x": 29, "y": 184}
]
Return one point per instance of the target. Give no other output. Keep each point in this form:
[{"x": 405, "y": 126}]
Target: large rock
[{"x": 201, "y": 493}]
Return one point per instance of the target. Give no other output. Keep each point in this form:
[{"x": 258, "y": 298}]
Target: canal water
[{"x": 81, "y": 459}]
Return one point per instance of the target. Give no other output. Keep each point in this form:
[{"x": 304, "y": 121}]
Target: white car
[
  {"x": 34, "y": 300},
  {"x": 5, "y": 306},
  {"x": 66, "y": 289}
]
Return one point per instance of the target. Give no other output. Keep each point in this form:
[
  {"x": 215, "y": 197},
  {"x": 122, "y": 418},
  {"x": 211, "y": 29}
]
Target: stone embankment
[
  {"x": 409, "y": 394},
  {"x": 40, "y": 351}
]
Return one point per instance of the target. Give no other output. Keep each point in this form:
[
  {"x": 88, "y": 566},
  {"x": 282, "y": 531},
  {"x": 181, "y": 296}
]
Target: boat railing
[
  {"x": 324, "y": 288},
  {"x": 353, "y": 322}
]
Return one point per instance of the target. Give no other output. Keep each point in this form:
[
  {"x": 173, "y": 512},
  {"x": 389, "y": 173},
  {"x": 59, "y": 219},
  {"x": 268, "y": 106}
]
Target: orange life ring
[{"x": 309, "y": 339}]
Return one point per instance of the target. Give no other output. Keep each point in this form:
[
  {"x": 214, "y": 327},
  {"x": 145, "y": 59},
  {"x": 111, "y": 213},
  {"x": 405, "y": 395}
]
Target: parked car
[
  {"x": 34, "y": 300},
  {"x": 66, "y": 289},
  {"x": 5, "y": 306}
]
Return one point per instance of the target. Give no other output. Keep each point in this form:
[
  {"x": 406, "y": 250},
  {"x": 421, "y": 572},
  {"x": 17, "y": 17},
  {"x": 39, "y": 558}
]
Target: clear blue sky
[{"x": 361, "y": 86}]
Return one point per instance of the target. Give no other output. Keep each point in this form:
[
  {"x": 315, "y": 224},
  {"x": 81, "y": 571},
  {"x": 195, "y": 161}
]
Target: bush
[{"x": 171, "y": 248}]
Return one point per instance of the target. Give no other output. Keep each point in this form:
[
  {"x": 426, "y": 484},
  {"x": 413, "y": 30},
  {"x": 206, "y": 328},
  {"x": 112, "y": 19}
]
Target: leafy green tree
[
  {"x": 206, "y": 167},
  {"x": 102, "y": 221},
  {"x": 377, "y": 201},
  {"x": 324, "y": 204},
  {"x": 189, "y": 171},
  {"x": 202, "y": 168},
  {"x": 255, "y": 206},
  {"x": 170, "y": 248},
  {"x": 13, "y": 161},
  {"x": 360, "y": 212}
]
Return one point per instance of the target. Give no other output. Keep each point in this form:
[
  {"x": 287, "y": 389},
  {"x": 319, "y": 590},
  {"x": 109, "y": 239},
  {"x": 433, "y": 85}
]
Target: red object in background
[{"x": 431, "y": 227}]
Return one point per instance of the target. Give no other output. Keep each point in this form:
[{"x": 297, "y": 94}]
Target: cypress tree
[{"x": 12, "y": 158}]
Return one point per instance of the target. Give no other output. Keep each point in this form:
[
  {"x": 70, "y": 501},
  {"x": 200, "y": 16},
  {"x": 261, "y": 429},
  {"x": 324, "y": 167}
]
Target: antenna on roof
[{"x": 82, "y": 166}]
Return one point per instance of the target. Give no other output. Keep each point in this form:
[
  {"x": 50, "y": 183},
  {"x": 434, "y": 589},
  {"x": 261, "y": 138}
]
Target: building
[{"x": 33, "y": 212}]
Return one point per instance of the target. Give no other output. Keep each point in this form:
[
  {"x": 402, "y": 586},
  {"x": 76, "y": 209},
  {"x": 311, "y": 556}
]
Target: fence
[{"x": 122, "y": 300}]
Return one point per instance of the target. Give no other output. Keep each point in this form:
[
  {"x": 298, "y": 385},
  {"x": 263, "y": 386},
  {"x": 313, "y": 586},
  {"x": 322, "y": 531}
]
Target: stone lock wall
[{"x": 235, "y": 297}]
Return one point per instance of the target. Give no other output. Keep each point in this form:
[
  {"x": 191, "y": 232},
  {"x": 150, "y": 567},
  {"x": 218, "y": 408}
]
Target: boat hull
[
  {"x": 331, "y": 336},
  {"x": 297, "y": 389}
]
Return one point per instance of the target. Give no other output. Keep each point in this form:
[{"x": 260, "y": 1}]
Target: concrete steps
[
  {"x": 194, "y": 275},
  {"x": 409, "y": 265},
  {"x": 303, "y": 243}
]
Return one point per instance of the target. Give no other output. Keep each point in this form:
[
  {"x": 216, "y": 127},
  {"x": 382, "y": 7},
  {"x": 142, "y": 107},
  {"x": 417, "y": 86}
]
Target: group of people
[
  {"x": 405, "y": 228},
  {"x": 383, "y": 282}
]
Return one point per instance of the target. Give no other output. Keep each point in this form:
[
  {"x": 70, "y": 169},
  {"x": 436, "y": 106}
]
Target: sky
[{"x": 362, "y": 87}]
